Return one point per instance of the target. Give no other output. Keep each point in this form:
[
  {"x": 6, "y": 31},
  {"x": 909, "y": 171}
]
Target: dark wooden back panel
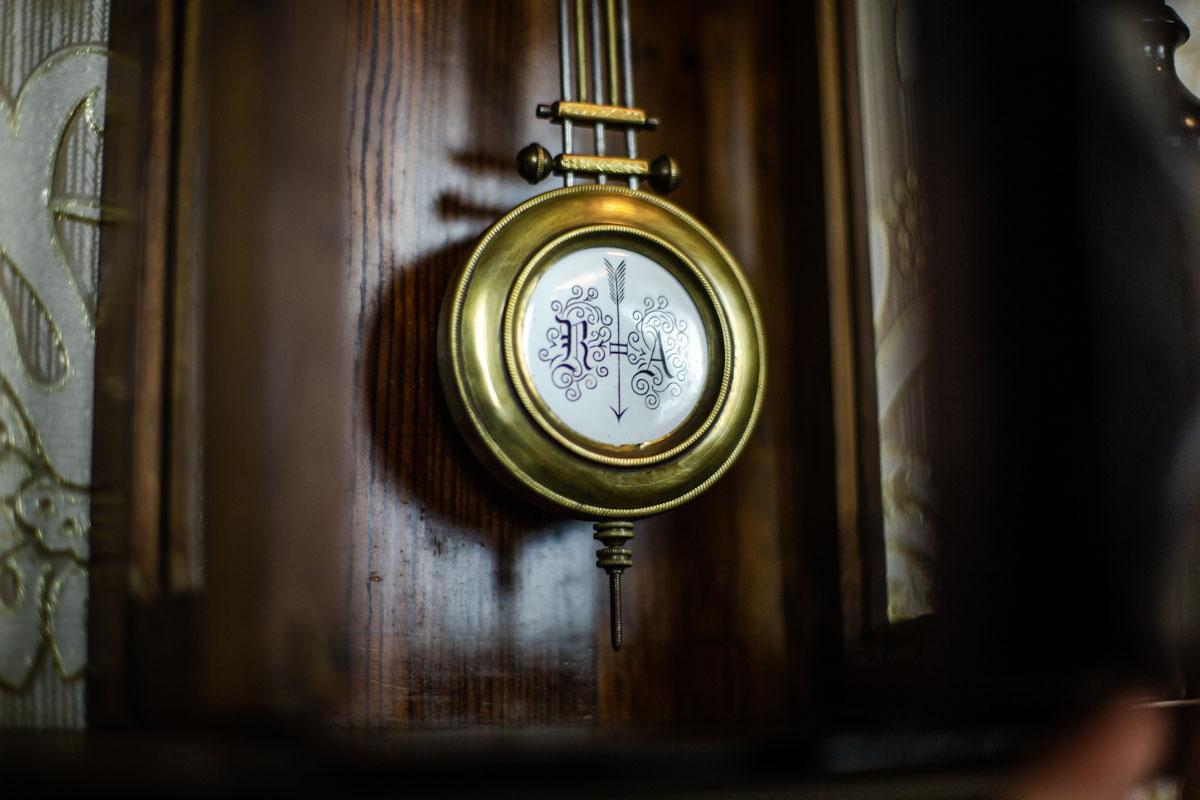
[{"x": 466, "y": 606}]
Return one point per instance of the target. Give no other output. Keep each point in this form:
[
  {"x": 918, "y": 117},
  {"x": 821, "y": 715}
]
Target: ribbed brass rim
[
  {"x": 675, "y": 442},
  {"x": 484, "y": 395}
]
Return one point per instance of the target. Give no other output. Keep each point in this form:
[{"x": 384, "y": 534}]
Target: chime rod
[
  {"x": 580, "y": 52},
  {"x": 598, "y": 82},
  {"x": 610, "y": 37},
  {"x": 564, "y": 57},
  {"x": 534, "y": 163},
  {"x": 626, "y": 59}
]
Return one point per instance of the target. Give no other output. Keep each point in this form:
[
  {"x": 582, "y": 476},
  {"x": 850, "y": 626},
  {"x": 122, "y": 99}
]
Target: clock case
[{"x": 499, "y": 412}]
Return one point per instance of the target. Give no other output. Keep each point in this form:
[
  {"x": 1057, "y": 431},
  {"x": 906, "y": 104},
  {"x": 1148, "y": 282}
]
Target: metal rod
[
  {"x": 580, "y": 52},
  {"x": 610, "y": 35},
  {"x": 598, "y": 81},
  {"x": 627, "y": 85},
  {"x": 614, "y": 609},
  {"x": 564, "y": 57},
  {"x": 614, "y": 558}
]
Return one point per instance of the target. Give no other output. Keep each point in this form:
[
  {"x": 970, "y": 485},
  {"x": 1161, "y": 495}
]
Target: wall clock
[{"x": 601, "y": 350}]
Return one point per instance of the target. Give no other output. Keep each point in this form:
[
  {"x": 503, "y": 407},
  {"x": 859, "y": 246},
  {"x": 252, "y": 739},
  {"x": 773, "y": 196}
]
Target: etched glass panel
[
  {"x": 53, "y": 64},
  {"x": 900, "y": 301}
]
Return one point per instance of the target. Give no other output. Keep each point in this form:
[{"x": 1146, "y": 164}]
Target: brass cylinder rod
[
  {"x": 565, "y": 111},
  {"x": 614, "y": 558},
  {"x": 580, "y": 52},
  {"x": 598, "y": 83},
  {"x": 626, "y": 58},
  {"x": 610, "y": 35},
  {"x": 601, "y": 165},
  {"x": 564, "y": 58},
  {"x": 662, "y": 172}
]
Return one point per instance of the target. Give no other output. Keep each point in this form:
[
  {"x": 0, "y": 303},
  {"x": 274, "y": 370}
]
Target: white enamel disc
[{"x": 614, "y": 346}]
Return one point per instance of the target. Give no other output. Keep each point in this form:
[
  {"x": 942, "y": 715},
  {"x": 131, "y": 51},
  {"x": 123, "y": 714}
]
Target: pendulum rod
[
  {"x": 610, "y": 36},
  {"x": 581, "y": 52},
  {"x": 598, "y": 82},
  {"x": 626, "y": 59},
  {"x": 564, "y": 57}
]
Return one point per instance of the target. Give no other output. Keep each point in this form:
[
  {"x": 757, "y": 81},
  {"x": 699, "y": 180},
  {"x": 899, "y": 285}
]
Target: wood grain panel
[
  {"x": 465, "y": 606},
  {"x": 273, "y": 364},
  {"x": 731, "y": 591}
]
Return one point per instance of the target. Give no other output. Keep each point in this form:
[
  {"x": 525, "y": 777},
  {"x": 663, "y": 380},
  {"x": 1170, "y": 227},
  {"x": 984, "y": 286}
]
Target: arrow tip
[{"x": 620, "y": 413}]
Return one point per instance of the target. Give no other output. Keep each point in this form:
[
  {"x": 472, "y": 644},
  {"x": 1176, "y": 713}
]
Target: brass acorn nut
[
  {"x": 664, "y": 174},
  {"x": 533, "y": 163}
]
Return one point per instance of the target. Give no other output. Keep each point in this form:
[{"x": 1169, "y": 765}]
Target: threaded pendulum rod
[
  {"x": 614, "y": 609},
  {"x": 614, "y": 558}
]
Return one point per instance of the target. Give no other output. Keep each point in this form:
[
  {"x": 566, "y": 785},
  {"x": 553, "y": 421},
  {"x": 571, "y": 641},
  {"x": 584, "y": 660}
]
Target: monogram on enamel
[
  {"x": 585, "y": 337},
  {"x": 616, "y": 345}
]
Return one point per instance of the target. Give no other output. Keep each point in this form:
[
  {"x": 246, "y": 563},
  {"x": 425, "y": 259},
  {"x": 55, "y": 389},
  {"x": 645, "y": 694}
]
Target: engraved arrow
[{"x": 616, "y": 290}]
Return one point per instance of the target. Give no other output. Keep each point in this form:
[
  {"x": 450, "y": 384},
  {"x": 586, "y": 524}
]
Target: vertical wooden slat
[
  {"x": 274, "y": 366},
  {"x": 842, "y": 316},
  {"x": 145, "y": 518},
  {"x": 127, "y": 439},
  {"x": 860, "y": 526},
  {"x": 184, "y": 490}
]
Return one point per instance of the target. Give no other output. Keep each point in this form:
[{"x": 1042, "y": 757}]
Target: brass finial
[
  {"x": 534, "y": 163},
  {"x": 614, "y": 559},
  {"x": 664, "y": 174}
]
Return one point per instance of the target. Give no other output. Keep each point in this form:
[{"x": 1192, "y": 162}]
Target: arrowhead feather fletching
[{"x": 616, "y": 280}]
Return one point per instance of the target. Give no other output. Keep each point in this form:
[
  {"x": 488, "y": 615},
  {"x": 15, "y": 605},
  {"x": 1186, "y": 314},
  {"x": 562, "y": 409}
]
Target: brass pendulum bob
[{"x": 614, "y": 558}]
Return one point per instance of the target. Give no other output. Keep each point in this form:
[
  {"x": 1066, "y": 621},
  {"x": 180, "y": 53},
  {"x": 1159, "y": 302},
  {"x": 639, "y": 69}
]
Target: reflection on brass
[
  {"x": 620, "y": 116},
  {"x": 610, "y": 30},
  {"x": 614, "y": 558},
  {"x": 602, "y": 165},
  {"x": 483, "y": 396},
  {"x": 665, "y": 175}
]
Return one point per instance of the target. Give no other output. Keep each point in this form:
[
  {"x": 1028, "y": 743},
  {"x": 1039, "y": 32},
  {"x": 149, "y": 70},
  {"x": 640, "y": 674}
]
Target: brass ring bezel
[
  {"x": 483, "y": 399},
  {"x": 716, "y": 331}
]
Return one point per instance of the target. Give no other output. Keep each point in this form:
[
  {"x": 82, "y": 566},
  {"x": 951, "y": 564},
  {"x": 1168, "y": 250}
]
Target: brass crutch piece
[
  {"x": 590, "y": 113},
  {"x": 534, "y": 164}
]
